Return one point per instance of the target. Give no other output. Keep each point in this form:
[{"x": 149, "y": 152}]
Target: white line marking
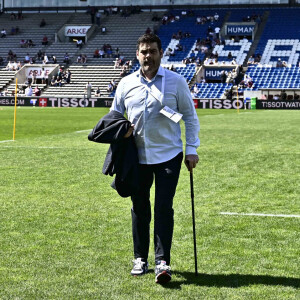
[
  {"x": 83, "y": 130},
  {"x": 32, "y": 147},
  {"x": 259, "y": 215},
  {"x": 5, "y": 141}
]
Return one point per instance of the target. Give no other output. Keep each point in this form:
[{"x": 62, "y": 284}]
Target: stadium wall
[{"x": 106, "y": 102}]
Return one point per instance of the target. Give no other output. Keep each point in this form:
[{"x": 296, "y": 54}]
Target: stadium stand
[{"x": 279, "y": 39}]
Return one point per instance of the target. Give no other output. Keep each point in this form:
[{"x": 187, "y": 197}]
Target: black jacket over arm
[{"x": 122, "y": 156}]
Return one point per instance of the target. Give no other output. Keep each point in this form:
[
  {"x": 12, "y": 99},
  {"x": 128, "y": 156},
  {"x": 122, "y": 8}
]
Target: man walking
[{"x": 155, "y": 99}]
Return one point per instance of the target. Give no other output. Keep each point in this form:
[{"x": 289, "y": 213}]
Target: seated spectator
[
  {"x": 27, "y": 58},
  {"x": 103, "y": 30},
  {"x": 53, "y": 81},
  {"x": 40, "y": 55},
  {"x": 84, "y": 58},
  {"x": 257, "y": 58},
  {"x": 45, "y": 40},
  {"x": 19, "y": 65},
  {"x": 67, "y": 58},
  {"x": 37, "y": 91},
  {"x": 58, "y": 81},
  {"x": 79, "y": 58},
  {"x": 1, "y": 60},
  {"x": 54, "y": 60},
  {"x": 3, "y": 33},
  {"x": 279, "y": 63},
  {"x": 9, "y": 66},
  {"x": 96, "y": 53},
  {"x": 68, "y": 76},
  {"x": 20, "y": 15},
  {"x": 13, "y": 16},
  {"x": 113, "y": 83},
  {"x": 101, "y": 53},
  {"x": 98, "y": 92},
  {"x": 17, "y": 30},
  {"x": 46, "y": 59},
  {"x": 43, "y": 23},
  {"x": 109, "y": 87},
  {"x": 148, "y": 30},
  {"x": 229, "y": 56},
  {"x": 202, "y": 80},
  {"x": 13, "y": 31},
  {"x": 30, "y": 43},
  {"x": 28, "y": 91},
  {"x": 23, "y": 44}
]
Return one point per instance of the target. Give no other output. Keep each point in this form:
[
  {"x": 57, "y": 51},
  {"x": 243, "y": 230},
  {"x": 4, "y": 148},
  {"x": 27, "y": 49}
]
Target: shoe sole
[{"x": 163, "y": 278}]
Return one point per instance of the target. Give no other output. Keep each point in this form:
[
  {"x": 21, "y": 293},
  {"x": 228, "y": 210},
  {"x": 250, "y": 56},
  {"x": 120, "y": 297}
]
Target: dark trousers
[{"x": 166, "y": 176}]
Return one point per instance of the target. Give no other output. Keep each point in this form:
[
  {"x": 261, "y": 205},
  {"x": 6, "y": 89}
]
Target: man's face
[{"x": 149, "y": 57}]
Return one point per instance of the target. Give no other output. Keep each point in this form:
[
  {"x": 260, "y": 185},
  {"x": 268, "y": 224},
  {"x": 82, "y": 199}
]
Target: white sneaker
[{"x": 139, "y": 267}]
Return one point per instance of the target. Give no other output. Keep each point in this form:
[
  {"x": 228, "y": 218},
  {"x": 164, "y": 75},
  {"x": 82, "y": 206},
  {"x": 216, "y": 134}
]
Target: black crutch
[{"x": 193, "y": 215}]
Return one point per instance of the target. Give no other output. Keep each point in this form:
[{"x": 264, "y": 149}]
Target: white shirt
[{"x": 158, "y": 138}]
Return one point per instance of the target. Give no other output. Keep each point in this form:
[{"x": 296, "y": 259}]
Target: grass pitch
[{"x": 66, "y": 234}]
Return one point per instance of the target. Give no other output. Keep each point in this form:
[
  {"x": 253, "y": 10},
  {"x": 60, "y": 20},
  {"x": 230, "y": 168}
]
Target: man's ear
[
  {"x": 137, "y": 54},
  {"x": 161, "y": 53}
]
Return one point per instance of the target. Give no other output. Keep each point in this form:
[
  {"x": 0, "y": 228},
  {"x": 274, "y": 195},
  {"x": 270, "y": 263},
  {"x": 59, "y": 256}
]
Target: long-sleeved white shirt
[{"x": 158, "y": 138}]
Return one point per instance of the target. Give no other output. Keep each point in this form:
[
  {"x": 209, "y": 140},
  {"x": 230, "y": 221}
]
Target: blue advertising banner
[{"x": 246, "y": 30}]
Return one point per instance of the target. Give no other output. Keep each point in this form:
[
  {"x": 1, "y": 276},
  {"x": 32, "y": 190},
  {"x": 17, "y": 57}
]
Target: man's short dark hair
[{"x": 149, "y": 38}]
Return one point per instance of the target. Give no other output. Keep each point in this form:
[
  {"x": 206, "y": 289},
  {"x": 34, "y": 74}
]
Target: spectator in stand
[
  {"x": 53, "y": 81},
  {"x": 68, "y": 76},
  {"x": 148, "y": 30},
  {"x": 109, "y": 88},
  {"x": 79, "y": 58},
  {"x": 3, "y": 33},
  {"x": 11, "y": 55},
  {"x": 98, "y": 92},
  {"x": 13, "y": 16},
  {"x": 28, "y": 91},
  {"x": 257, "y": 58},
  {"x": 20, "y": 15},
  {"x": 283, "y": 95},
  {"x": 113, "y": 83},
  {"x": 45, "y": 40},
  {"x": 37, "y": 91},
  {"x": 9, "y": 66},
  {"x": 101, "y": 53},
  {"x": 54, "y": 60},
  {"x": 216, "y": 16},
  {"x": 229, "y": 56},
  {"x": 79, "y": 43},
  {"x": 96, "y": 53},
  {"x": 30, "y": 43},
  {"x": 83, "y": 58},
  {"x": 43, "y": 23},
  {"x": 13, "y": 31},
  {"x": 46, "y": 59},
  {"x": 40, "y": 55},
  {"x": 27, "y": 58},
  {"x": 33, "y": 77},
  {"x": 250, "y": 60},
  {"x": 67, "y": 58},
  {"x": 1, "y": 60},
  {"x": 58, "y": 81}
]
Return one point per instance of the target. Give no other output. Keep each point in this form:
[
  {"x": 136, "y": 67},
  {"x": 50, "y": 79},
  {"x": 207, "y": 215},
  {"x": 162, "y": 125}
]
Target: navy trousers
[{"x": 166, "y": 176}]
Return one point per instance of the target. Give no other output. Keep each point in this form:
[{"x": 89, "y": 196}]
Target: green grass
[{"x": 65, "y": 234}]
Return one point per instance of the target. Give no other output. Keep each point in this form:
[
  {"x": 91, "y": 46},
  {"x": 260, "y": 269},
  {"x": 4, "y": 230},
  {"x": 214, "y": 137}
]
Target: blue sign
[{"x": 240, "y": 30}]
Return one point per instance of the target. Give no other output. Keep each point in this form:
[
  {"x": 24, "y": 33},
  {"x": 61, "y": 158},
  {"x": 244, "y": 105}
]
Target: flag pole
[{"x": 15, "y": 113}]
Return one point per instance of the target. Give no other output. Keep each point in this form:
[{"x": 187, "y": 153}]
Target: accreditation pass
[{"x": 171, "y": 114}]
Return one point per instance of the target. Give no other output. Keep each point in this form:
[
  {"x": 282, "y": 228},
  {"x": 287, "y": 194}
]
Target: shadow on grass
[{"x": 230, "y": 280}]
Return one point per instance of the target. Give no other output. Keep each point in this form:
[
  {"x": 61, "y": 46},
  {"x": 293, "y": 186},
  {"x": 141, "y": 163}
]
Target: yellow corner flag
[{"x": 15, "y": 115}]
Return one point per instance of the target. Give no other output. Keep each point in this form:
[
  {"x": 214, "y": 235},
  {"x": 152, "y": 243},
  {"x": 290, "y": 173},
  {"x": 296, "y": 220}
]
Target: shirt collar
[{"x": 160, "y": 72}]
